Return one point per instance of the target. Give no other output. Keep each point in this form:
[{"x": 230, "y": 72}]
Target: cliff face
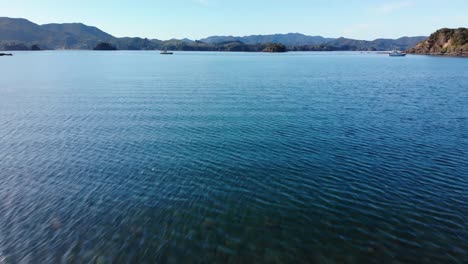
[{"x": 451, "y": 42}]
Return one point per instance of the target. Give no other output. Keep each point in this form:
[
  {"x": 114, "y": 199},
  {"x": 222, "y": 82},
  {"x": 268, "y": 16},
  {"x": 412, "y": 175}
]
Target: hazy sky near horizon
[{"x": 195, "y": 19}]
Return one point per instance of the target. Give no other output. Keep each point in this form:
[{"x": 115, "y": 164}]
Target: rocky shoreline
[
  {"x": 462, "y": 55},
  {"x": 444, "y": 42}
]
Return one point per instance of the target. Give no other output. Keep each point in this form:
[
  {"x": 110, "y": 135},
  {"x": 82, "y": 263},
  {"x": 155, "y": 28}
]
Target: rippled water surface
[{"x": 133, "y": 157}]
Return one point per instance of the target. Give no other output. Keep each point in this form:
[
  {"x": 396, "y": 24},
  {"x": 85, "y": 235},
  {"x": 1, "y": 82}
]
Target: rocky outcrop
[{"x": 448, "y": 42}]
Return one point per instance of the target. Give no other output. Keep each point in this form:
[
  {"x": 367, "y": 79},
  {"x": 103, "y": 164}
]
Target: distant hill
[
  {"x": 50, "y": 36},
  {"x": 446, "y": 41},
  {"x": 291, "y": 39},
  {"x": 303, "y": 42},
  {"x": 21, "y": 34},
  {"x": 22, "y": 30},
  {"x": 135, "y": 43},
  {"x": 228, "y": 46},
  {"x": 77, "y": 29},
  {"x": 378, "y": 44}
]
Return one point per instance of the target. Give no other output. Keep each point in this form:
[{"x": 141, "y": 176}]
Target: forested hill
[
  {"x": 452, "y": 42},
  {"x": 22, "y": 34}
]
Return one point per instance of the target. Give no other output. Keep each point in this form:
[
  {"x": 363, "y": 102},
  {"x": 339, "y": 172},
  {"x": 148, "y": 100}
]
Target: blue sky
[{"x": 196, "y": 19}]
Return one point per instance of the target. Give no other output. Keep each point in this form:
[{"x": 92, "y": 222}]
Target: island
[
  {"x": 104, "y": 46},
  {"x": 275, "y": 48},
  {"x": 444, "y": 42},
  {"x": 35, "y": 47}
]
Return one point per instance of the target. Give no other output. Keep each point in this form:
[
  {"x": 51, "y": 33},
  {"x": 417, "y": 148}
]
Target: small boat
[
  {"x": 6, "y": 54},
  {"x": 165, "y": 52},
  {"x": 396, "y": 53}
]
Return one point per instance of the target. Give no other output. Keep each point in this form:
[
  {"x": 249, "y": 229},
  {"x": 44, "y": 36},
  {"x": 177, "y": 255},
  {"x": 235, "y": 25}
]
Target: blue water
[{"x": 133, "y": 157}]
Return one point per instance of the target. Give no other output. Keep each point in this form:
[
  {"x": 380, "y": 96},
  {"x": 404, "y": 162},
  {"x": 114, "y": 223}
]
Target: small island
[
  {"x": 35, "y": 47},
  {"x": 275, "y": 48},
  {"x": 104, "y": 46},
  {"x": 444, "y": 42}
]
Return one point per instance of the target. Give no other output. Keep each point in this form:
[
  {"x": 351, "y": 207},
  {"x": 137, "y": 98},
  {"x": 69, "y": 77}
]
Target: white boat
[
  {"x": 396, "y": 53},
  {"x": 165, "y": 52}
]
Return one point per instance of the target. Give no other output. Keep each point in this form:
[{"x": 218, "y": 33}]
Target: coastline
[
  {"x": 465, "y": 55},
  {"x": 11, "y": 52}
]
